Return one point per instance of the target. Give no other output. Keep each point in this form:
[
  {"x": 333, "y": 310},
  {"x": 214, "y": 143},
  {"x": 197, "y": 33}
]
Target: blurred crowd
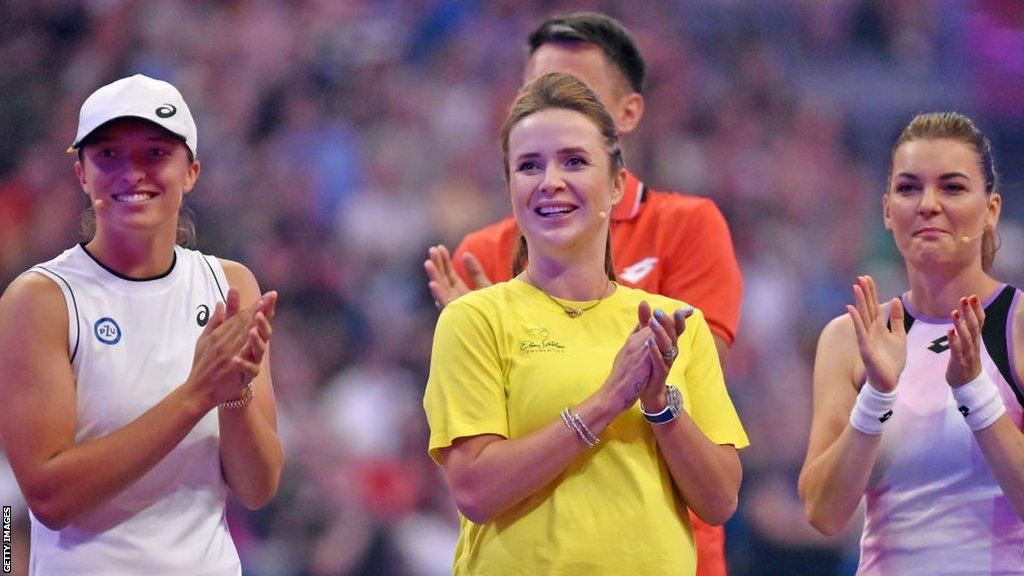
[{"x": 340, "y": 138}]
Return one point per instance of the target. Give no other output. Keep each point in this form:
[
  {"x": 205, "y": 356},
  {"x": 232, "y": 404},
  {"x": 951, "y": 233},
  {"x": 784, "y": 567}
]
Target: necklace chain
[{"x": 570, "y": 311}]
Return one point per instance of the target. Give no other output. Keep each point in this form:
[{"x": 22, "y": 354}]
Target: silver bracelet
[{"x": 575, "y": 423}]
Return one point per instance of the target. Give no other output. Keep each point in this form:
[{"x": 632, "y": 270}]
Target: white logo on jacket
[{"x": 636, "y": 272}]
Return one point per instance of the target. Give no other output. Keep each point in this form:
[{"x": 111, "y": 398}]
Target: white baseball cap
[{"x": 142, "y": 97}]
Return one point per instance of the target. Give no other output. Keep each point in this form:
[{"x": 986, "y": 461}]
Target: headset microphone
[
  {"x": 966, "y": 239},
  {"x": 603, "y": 214}
]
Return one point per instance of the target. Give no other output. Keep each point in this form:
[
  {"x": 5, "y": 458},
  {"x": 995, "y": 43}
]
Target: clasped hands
[
  {"x": 883, "y": 343},
  {"x": 229, "y": 352},
  {"x": 643, "y": 363}
]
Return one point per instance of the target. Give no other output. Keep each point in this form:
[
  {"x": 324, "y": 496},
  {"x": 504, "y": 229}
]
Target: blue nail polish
[{"x": 659, "y": 314}]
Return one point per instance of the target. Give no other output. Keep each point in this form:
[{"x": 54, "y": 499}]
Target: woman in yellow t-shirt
[{"x": 534, "y": 383}]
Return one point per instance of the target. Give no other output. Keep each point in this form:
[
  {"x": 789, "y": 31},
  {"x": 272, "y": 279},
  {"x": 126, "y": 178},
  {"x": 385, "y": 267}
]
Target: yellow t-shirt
[{"x": 506, "y": 360}]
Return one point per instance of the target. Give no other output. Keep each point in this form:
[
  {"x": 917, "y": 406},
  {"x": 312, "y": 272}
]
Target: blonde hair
[{"x": 564, "y": 91}]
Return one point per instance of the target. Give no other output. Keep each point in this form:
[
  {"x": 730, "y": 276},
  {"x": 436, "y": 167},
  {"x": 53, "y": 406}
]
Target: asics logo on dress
[
  {"x": 638, "y": 271},
  {"x": 202, "y": 315}
]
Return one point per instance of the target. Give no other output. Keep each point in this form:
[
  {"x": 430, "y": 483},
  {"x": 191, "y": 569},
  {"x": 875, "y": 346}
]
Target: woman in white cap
[
  {"x": 136, "y": 388},
  {"x": 918, "y": 401}
]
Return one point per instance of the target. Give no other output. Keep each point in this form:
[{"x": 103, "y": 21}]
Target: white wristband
[
  {"x": 979, "y": 401},
  {"x": 872, "y": 409}
]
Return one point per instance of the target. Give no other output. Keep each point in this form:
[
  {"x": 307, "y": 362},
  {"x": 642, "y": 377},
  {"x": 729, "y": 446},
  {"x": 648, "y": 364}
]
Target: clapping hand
[
  {"x": 664, "y": 333},
  {"x": 230, "y": 350},
  {"x": 445, "y": 285},
  {"x": 965, "y": 342},
  {"x": 883, "y": 349}
]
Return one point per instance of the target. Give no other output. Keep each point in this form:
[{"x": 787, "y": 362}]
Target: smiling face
[
  {"x": 136, "y": 175},
  {"x": 937, "y": 207},
  {"x": 561, "y": 178}
]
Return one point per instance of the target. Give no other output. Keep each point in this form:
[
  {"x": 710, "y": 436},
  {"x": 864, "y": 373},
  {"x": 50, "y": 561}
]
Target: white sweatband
[
  {"x": 872, "y": 409},
  {"x": 979, "y": 401}
]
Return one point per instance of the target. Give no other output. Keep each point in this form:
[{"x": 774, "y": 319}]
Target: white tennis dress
[
  {"x": 131, "y": 342},
  {"x": 933, "y": 506}
]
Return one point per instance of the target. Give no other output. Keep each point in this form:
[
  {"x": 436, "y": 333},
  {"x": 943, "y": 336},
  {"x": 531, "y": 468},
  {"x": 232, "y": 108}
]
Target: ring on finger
[{"x": 671, "y": 354}]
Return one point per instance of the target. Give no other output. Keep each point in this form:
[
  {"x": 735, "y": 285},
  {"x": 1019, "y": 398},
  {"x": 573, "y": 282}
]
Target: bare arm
[
  {"x": 1002, "y": 443},
  {"x": 1003, "y": 446},
  {"x": 488, "y": 474},
  {"x": 839, "y": 457},
  {"x": 250, "y": 451},
  {"x": 61, "y": 479},
  {"x": 706, "y": 474}
]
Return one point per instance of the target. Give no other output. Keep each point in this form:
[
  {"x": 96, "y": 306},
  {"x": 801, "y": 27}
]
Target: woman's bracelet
[
  {"x": 979, "y": 401},
  {"x": 242, "y": 400},
  {"x": 872, "y": 409},
  {"x": 576, "y": 424}
]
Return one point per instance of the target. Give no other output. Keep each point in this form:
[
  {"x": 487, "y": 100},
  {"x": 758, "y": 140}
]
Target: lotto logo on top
[{"x": 107, "y": 331}]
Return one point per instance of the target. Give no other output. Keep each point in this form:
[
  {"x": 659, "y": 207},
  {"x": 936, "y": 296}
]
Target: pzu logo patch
[{"x": 107, "y": 331}]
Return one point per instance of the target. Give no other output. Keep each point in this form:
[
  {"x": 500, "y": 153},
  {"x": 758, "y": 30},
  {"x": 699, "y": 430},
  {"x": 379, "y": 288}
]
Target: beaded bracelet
[
  {"x": 242, "y": 400},
  {"x": 575, "y": 423}
]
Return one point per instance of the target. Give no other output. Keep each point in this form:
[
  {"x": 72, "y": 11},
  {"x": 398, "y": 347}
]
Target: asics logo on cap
[{"x": 166, "y": 111}]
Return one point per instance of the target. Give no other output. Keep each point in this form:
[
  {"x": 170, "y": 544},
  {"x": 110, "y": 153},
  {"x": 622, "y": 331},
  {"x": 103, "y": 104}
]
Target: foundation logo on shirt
[
  {"x": 107, "y": 331},
  {"x": 539, "y": 339},
  {"x": 638, "y": 271}
]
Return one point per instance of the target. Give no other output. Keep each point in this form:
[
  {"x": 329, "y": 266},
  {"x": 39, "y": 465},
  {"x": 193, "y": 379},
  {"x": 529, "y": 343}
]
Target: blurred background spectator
[{"x": 347, "y": 136}]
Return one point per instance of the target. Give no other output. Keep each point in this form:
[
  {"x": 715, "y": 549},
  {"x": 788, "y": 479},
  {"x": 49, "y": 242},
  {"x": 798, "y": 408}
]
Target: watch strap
[{"x": 673, "y": 406}]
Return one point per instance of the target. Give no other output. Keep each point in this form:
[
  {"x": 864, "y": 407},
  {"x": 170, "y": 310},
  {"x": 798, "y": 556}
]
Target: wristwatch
[{"x": 673, "y": 406}]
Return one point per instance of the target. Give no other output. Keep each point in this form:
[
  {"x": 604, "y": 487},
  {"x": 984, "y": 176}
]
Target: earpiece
[{"x": 967, "y": 239}]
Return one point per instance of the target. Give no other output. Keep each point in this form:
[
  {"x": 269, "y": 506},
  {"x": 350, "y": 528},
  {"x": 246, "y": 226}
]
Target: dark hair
[
  {"x": 958, "y": 127},
  {"x": 563, "y": 91},
  {"x": 186, "y": 234},
  {"x": 602, "y": 31}
]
